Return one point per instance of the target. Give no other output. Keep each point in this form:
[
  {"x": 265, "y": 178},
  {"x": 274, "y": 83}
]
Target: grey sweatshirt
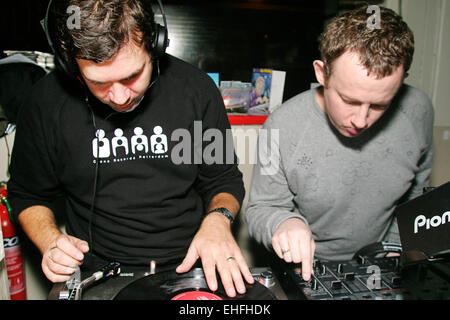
[{"x": 345, "y": 189}]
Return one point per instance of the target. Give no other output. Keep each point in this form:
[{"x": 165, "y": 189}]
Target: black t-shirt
[{"x": 152, "y": 185}]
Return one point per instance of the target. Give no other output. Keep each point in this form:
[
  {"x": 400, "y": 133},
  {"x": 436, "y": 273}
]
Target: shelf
[{"x": 246, "y": 119}]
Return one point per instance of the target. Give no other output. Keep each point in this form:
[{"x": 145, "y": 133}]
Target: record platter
[{"x": 132, "y": 283}]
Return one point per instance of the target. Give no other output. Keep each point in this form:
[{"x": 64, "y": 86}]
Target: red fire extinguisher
[{"x": 13, "y": 255}]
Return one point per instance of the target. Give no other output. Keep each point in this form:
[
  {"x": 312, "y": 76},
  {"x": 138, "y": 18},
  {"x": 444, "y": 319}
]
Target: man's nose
[
  {"x": 360, "y": 118},
  {"x": 119, "y": 94}
]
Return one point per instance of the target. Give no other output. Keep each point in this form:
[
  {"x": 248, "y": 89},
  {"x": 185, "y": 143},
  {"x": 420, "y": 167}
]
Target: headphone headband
[
  {"x": 159, "y": 44},
  {"x": 161, "y": 40}
]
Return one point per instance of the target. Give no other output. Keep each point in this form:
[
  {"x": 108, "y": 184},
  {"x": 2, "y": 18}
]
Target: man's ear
[{"x": 319, "y": 69}]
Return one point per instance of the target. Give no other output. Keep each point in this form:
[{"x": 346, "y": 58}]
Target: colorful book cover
[
  {"x": 267, "y": 90},
  {"x": 260, "y": 94}
]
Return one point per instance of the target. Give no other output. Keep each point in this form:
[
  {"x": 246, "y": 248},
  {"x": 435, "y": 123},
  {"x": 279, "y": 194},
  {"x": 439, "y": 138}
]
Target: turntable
[{"x": 114, "y": 282}]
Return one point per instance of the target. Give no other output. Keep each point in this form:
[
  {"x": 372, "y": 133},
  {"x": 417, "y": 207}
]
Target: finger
[
  {"x": 59, "y": 257},
  {"x": 224, "y": 267},
  {"x": 392, "y": 254},
  {"x": 209, "y": 269},
  {"x": 294, "y": 245},
  {"x": 239, "y": 271},
  {"x": 236, "y": 275},
  {"x": 287, "y": 256},
  {"x": 68, "y": 246},
  {"x": 313, "y": 249},
  {"x": 285, "y": 248},
  {"x": 53, "y": 277},
  {"x": 305, "y": 249},
  {"x": 244, "y": 269},
  {"x": 59, "y": 269},
  {"x": 189, "y": 260},
  {"x": 238, "y": 281},
  {"x": 82, "y": 245},
  {"x": 276, "y": 247}
]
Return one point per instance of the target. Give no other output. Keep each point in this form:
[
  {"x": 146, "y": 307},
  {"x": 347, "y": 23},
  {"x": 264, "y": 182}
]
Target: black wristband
[{"x": 225, "y": 212}]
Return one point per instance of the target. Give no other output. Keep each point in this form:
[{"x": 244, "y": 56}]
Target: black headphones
[
  {"x": 376, "y": 248},
  {"x": 159, "y": 43}
]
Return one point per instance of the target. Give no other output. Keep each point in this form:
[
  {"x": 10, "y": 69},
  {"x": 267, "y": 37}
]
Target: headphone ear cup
[
  {"x": 69, "y": 68},
  {"x": 160, "y": 42}
]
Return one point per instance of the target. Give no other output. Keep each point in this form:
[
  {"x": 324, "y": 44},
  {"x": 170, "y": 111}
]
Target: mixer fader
[{"x": 359, "y": 279}]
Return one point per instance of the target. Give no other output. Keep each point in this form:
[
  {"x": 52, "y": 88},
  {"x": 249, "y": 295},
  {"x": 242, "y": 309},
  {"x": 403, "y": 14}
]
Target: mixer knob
[
  {"x": 317, "y": 265},
  {"x": 267, "y": 279},
  {"x": 340, "y": 268},
  {"x": 314, "y": 284},
  {"x": 323, "y": 269},
  {"x": 350, "y": 276},
  {"x": 396, "y": 281},
  {"x": 336, "y": 285},
  {"x": 361, "y": 260}
]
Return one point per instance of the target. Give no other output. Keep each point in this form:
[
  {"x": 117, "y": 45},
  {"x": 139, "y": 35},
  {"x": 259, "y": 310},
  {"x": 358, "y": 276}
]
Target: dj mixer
[{"x": 369, "y": 279}]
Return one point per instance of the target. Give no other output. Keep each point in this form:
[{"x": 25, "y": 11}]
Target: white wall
[{"x": 430, "y": 72}]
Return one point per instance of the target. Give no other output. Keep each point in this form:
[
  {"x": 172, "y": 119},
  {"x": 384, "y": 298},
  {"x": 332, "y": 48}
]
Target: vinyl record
[{"x": 189, "y": 286}]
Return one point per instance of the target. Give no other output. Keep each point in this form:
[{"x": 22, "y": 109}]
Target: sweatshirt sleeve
[
  {"x": 421, "y": 115},
  {"x": 33, "y": 180},
  {"x": 271, "y": 200},
  {"x": 218, "y": 171},
  {"x": 425, "y": 139}
]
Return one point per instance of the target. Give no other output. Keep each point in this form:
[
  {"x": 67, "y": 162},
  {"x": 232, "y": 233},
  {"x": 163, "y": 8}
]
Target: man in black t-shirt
[{"x": 118, "y": 134}]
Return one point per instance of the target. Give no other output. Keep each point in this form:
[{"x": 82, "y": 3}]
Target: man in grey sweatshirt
[{"x": 346, "y": 153}]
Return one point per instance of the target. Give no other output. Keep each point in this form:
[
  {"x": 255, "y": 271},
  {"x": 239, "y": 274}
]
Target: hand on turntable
[
  {"x": 215, "y": 245},
  {"x": 62, "y": 257},
  {"x": 293, "y": 242}
]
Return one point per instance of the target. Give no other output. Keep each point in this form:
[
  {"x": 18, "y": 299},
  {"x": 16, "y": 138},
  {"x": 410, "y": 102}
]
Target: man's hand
[
  {"x": 215, "y": 245},
  {"x": 62, "y": 257},
  {"x": 61, "y": 254},
  {"x": 293, "y": 242}
]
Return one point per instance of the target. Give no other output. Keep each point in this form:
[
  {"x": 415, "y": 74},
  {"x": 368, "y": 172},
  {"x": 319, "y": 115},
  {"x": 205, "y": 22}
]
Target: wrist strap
[{"x": 225, "y": 212}]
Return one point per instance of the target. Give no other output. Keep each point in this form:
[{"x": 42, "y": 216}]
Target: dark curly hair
[
  {"x": 105, "y": 26},
  {"x": 381, "y": 50}
]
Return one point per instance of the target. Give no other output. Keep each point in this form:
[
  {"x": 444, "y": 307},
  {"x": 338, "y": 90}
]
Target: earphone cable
[{"x": 94, "y": 192}]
